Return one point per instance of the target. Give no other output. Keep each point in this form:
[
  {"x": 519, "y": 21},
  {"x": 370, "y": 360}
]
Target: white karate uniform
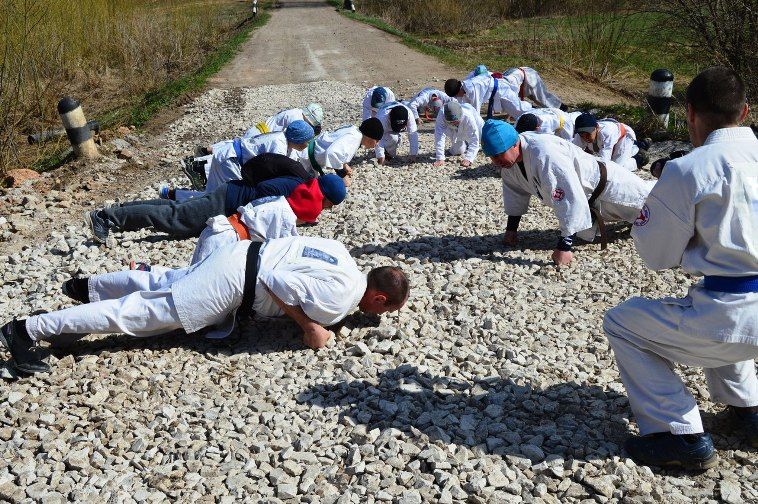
[
  {"x": 563, "y": 177},
  {"x": 391, "y": 140},
  {"x": 533, "y": 86},
  {"x": 610, "y": 145},
  {"x": 225, "y": 166},
  {"x": 265, "y": 219},
  {"x": 314, "y": 273},
  {"x": 422, "y": 101},
  {"x": 477, "y": 92},
  {"x": 464, "y": 138},
  {"x": 368, "y": 110},
  {"x": 701, "y": 216},
  {"x": 332, "y": 149},
  {"x": 556, "y": 122},
  {"x": 277, "y": 122}
]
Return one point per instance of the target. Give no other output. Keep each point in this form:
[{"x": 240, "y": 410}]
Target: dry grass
[{"x": 103, "y": 52}]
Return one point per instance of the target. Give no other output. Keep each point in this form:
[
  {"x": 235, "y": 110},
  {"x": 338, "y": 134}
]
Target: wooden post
[{"x": 77, "y": 130}]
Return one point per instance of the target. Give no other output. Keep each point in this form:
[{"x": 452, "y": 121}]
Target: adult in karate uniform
[
  {"x": 463, "y": 125},
  {"x": 312, "y": 280},
  {"x": 573, "y": 183},
  {"x": 611, "y": 140},
  {"x": 428, "y": 102},
  {"x": 490, "y": 90},
  {"x": 313, "y": 114},
  {"x": 527, "y": 83},
  {"x": 374, "y": 99},
  {"x": 187, "y": 219},
  {"x": 702, "y": 216},
  {"x": 333, "y": 150},
  {"x": 551, "y": 121},
  {"x": 395, "y": 120}
]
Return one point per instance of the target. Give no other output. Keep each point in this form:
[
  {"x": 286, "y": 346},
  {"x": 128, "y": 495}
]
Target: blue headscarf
[
  {"x": 497, "y": 137},
  {"x": 298, "y": 132}
]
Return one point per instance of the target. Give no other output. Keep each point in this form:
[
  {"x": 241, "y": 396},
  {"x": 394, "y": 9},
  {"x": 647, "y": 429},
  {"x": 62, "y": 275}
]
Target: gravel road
[{"x": 494, "y": 384}]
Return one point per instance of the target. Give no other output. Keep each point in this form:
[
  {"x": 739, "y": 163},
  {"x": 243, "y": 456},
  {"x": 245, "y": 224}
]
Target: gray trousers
[{"x": 183, "y": 219}]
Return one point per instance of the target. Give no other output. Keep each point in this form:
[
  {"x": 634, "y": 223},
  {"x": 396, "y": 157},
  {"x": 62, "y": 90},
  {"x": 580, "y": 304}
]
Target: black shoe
[
  {"x": 747, "y": 418},
  {"x": 196, "y": 176},
  {"x": 656, "y": 168},
  {"x": 22, "y": 348},
  {"x": 641, "y": 158},
  {"x": 663, "y": 449},
  {"x": 99, "y": 227},
  {"x": 563, "y": 107},
  {"x": 201, "y": 150},
  {"x": 77, "y": 289}
]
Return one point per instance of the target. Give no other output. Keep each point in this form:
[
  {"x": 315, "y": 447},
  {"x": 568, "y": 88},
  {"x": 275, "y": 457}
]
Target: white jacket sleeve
[
  {"x": 322, "y": 300},
  {"x": 607, "y": 141},
  {"x": 415, "y": 103},
  {"x": 379, "y": 149},
  {"x": 472, "y": 141},
  {"x": 565, "y": 194},
  {"x": 439, "y": 136},
  {"x": 666, "y": 223},
  {"x": 413, "y": 136}
]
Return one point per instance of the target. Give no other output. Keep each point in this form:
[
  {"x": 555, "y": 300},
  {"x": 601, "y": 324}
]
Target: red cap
[{"x": 307, "y": 201}]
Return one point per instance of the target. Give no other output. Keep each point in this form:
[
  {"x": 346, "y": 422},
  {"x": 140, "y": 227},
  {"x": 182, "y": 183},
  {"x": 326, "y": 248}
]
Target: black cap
[
  {"x": 452, "y": 87},
  {"x": 398, "y": 118},
  {"x": 372, "y": 128},
  {"x": 527, "y": 122}
]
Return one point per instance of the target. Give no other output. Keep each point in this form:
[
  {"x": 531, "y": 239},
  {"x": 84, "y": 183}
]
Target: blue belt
[
  {"x": 491, "y": 104},
  {"x": 733, "y": 285},
  {"x": 237, "y": 144}
]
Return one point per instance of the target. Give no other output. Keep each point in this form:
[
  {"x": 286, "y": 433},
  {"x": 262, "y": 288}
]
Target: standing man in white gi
[
  {"x": 312, "y": 280},
  {"x": 374, "y": 99},
  {"x": 428, "y": 102},
  {"x": 611, "y": 140},
  {"x": 583, "y": 191},
  {"x": 463, "y": 124},
  {"x": 313, "y": 114},
  {"x": 703, "y": 216},
  {"x": 335, "y": 149},
  {"x": 551, "y": 121},
  {"x": 395, "y": 119},
  {"x": 491, "y": 90}
]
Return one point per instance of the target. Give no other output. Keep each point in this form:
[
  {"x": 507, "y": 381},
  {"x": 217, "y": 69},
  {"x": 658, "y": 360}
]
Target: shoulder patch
[
  {"x": 559, "y": 194},
  {"x": 644, "y": 217},
  {"x": 314, "y": 253}
]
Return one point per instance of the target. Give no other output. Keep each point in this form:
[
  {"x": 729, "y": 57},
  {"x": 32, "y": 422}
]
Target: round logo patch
[
  {"x": 644, "y": 217},
  {"x": 558, "y": 194}
]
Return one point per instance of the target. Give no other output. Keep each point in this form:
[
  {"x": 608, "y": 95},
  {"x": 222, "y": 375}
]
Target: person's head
[
  {"x": 715, "y": 99},
  {"x": 480, "y": 70},
  {"x": 586, "y": 127},
  {"x": 453, "y": 112},
  {"x": 453, "y": 88},
  {"x": 398, "y": 118},
  {"x": 378, "y": 97},
  {"x": 298, "y": 134},
  {"x": 501, "y": 143},
  {"x": 527, "y": 122},
  {"x": 333, "y": 188},
  {"x": 314, "y": 115},
  {"x": 387, "y": 290},
  {"x": 435, "y": 105},
  {"x": 372, "y": 131}
]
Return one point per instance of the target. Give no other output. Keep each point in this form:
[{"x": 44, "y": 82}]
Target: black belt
[
  {"x": 594, "y": 211},
  {"x": 251, "y": 276}
]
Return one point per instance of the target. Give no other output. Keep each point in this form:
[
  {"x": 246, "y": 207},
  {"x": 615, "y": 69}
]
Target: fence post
[
  {"x": 255, "y": 8},
  {"x": 77, "y": 130},
  {"x": 659, "y": 94},
  {"x": 349, "y": 5}
]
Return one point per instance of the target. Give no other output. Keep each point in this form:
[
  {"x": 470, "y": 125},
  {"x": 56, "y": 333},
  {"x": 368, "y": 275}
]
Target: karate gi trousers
[
  {"x": 147, "y": 303},
  {"x": 704, "y": 329}
]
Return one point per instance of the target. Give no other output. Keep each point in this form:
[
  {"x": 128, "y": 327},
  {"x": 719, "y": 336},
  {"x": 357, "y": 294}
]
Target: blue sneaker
[
  {"x": 99, "y": 227},
  {"x": 747, "y": 418},
  {"x": 164, "y": 191},
  {"x": 663, "y": 449}
]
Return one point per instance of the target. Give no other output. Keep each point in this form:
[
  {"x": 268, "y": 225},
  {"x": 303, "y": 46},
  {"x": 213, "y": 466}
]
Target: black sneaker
[
  {"x": 201, "y": 150},
  {"x": 196, "y": 177},
  {"x": 663, "y": 449},
  {"x": 563, "y": 107},
  {"x": 641, "y": 158},
  {"x": 22, "y": 348},
  {"x": 747, "y": 418},
  {"x": 99, "y": 227},
  {"x": 77, "y": 289}
]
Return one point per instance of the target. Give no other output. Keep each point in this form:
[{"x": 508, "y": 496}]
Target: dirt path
[{"x": 307, "y": 40}]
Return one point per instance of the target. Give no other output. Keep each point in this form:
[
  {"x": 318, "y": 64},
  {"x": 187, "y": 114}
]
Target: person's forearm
[{"x": 295, "y": 313}]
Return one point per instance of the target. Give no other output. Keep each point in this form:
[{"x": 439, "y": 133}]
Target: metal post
[
  {"x": 255, "y": 8},
  {"x": 76, "y": 127},
  {"x": 659, "y": 94}
]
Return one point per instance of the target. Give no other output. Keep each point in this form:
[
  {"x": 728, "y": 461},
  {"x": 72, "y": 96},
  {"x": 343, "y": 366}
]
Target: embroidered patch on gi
[
  {"x": 558, "y": 194},
  {"x": 644, "y": 217},
  {"x": 319, "y": 254}
]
